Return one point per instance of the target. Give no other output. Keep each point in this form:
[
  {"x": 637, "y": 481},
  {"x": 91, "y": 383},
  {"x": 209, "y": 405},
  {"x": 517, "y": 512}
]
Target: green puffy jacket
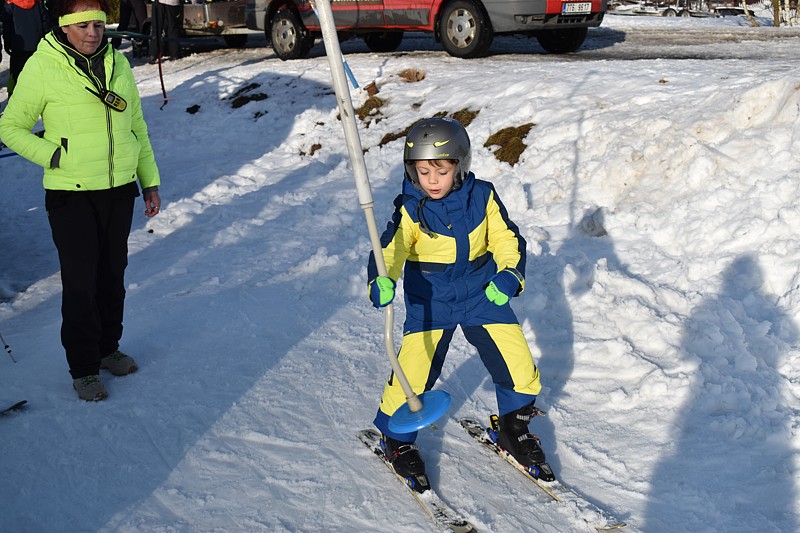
[{"x": 101, "y": 147}]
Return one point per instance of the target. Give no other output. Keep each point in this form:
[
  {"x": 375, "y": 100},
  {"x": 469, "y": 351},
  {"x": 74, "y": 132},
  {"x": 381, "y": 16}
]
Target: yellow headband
[{"x": 82, "y": 16}]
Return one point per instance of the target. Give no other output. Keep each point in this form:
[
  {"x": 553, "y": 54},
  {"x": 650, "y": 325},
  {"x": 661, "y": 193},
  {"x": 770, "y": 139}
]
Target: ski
[
  {"x": 14, "y": 407},
  {"x": 598, "y": 518},
  {"x": 445, "y": 517}
]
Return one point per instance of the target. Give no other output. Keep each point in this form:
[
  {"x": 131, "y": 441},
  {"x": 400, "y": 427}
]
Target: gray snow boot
[
  {"x": 514, "y": 437},
  {"x": 90, "y": 388},
  {"x": 119, "y": 364}
]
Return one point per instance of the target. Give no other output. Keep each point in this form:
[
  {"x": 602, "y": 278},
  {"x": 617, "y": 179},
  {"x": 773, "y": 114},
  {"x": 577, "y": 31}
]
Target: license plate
[{"x": 576, "y": 8}]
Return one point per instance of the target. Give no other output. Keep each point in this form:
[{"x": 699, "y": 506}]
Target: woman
[{"x": 94, "y": 147}]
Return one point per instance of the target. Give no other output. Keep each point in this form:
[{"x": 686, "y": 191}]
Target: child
[{"x": 463, "y": 259}]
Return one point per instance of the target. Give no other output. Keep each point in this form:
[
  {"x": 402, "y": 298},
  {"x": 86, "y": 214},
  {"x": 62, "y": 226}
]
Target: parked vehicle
[
  {"x": 221, "y": 18},
  {"x": 658, "y": 9},
  {"x": 465, "y": 28},
  {"x": 675, "y": 8}
]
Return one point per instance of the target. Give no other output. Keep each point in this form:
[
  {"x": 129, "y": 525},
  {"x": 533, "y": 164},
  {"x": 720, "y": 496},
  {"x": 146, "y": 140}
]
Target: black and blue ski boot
[
  {"x": 407, "y": 462},
  {"x": 514, "y": 437}
]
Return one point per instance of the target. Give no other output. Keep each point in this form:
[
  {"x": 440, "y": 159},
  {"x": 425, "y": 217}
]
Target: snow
[{"x": 659, "y": 200}]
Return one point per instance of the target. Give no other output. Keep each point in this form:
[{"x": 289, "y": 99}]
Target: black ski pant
[
  {"x": 167, "y": 29},
  {"x": 90, "y": 230},
  {"x": 130, "y": 9}
]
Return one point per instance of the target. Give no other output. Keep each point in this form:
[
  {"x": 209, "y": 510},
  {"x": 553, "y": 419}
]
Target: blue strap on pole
[{"x": 349, "y": 73}]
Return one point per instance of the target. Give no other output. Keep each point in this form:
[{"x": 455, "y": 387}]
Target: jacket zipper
[
  {"x": 97, "y": 82},
  {"x": 110, "y": 149}
]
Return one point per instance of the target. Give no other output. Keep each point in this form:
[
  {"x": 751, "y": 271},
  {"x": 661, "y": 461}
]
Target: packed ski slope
[{"x": 659, "y": 201}]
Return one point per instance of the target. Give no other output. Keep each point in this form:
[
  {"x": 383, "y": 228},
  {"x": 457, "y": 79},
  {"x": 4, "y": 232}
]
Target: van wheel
[
  {"x": 289, "y": 38},
  {"x": 465, "y": 29},
  {"x": 385, "y": 41},
  {"x": 562, "y": 41}
]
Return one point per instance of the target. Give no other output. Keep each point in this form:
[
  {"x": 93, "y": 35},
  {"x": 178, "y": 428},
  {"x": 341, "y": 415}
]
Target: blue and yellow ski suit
[{"x": 447, "y": 251}]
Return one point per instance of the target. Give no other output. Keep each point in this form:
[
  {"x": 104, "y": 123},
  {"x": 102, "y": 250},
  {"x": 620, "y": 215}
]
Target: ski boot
[
  {"x": 514, "y": 437},
  {"x": 407, "y": 462}
]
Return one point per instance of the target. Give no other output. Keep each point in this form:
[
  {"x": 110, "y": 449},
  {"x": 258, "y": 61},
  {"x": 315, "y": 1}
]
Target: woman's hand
[{"x": 152, "y": 203}]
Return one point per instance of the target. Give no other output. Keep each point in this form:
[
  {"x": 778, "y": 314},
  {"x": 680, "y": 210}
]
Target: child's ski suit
[{"x": 447, "y": 251}]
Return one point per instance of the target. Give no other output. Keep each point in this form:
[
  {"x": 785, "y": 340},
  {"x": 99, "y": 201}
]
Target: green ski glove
[
  {"x": 502, "y": 287},
  {"x": 381, "y": 291}
]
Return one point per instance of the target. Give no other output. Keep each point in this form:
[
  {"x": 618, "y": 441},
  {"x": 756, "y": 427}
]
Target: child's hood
[
  {"x": 428, "y": 211},
  {"x": 461, "y": 194}
]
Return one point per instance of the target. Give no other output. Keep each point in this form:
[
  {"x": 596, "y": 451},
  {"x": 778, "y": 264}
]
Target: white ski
[
  {"x": 598, "y": 518},
  {"x": 445, "y": 517}
]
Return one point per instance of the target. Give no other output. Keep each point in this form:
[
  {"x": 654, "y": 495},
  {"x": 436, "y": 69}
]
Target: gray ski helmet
[{"x": 437, "y": 138}]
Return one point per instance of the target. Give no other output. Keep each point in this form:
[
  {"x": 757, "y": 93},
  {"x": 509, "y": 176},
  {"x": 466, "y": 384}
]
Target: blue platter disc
[{"x": 434, "y": 405}]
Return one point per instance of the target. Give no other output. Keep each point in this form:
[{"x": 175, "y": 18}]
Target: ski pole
[
  {"x": 159, "y": 41},
  {"x": 7, "y": 348},
  {"x": 413, "y": 414}
]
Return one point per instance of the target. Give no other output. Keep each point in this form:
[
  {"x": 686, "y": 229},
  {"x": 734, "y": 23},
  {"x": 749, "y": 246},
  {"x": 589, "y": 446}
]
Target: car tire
[
  {"x": 669, "y": 13},
  {"x": 385, "y": 41},
  {"x": 562, "y": 41},
  {"x": 465, "y": 29},
  {"x": 289, "y": 38}
]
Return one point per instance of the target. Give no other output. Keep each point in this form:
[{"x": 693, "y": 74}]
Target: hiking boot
[
  {"x": 90, "y": 388},
  {"x": 407, "y": 462},
  {"x": 513, "y": 436},
  {"x": 119, "y": 364}
]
